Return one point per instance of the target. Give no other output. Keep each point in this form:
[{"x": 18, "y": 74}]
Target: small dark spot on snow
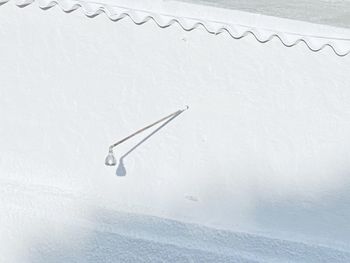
[{"x": 191, "y": 198}]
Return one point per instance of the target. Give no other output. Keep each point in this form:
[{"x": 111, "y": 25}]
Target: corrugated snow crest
[{"x": 340, "y": 45}]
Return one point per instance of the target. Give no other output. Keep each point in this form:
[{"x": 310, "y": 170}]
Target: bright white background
[{"x": 264, "y": 147}]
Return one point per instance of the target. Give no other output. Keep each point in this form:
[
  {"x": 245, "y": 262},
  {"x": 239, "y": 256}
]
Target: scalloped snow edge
[{"x": 340, "y": 46}]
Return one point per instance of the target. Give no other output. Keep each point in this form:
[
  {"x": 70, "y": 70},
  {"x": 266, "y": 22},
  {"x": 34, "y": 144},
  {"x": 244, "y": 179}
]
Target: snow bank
[{"x": 49, "y": 225}]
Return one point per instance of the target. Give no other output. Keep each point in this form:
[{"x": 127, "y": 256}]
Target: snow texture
[
  {"x": 328, "y": 12},
  {"x": 73, "y": 231},
  {"x": 257, "y": 170},
  {"x": 215, "y": 21}
]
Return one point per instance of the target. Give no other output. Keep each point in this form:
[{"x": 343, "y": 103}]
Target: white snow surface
[
  {"x": 41, "y": 224},
  {"x": 189, "y": 16},
  {"x": 257, "y": 170},
  {"x": 328, "y": 12}
]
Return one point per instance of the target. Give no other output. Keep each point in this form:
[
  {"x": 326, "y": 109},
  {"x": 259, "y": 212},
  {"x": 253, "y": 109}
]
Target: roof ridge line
[{"x": 236, "y": 31}]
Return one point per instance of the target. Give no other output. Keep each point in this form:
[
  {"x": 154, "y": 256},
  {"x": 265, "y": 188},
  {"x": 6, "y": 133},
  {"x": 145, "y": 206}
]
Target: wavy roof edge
[{"x": 237, "y": 24}]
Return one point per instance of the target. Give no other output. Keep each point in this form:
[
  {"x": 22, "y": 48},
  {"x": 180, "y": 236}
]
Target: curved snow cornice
[{"x": 237, "y": 24}]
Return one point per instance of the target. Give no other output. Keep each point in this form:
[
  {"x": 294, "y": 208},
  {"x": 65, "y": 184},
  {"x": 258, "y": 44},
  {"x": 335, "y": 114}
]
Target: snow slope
[
  {"x": 262, "y": 154},
  {"x": 328, "y": 12},
  {"x": 64, "y": 227},
  {"x": 215, "y": 21}
]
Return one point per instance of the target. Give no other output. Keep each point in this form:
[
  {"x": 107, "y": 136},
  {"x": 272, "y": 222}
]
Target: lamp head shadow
[{"x": 121, "y": 171}]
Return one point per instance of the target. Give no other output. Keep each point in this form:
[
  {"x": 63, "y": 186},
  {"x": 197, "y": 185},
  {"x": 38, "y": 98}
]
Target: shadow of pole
[{"x": 121, "y": 171}]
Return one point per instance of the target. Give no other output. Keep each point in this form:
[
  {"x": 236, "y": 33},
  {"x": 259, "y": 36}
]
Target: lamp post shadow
[{"x": 121, "y": 170}]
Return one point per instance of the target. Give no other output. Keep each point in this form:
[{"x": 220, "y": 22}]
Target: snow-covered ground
[
  {"x": 329, "y": 12},
  {"x": 257, "y": 170},
  {"x": 41, "y": 225}
]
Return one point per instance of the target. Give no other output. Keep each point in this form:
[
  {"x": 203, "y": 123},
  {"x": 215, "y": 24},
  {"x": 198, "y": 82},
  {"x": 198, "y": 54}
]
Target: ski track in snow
[{"x": 48, "y": 224}]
